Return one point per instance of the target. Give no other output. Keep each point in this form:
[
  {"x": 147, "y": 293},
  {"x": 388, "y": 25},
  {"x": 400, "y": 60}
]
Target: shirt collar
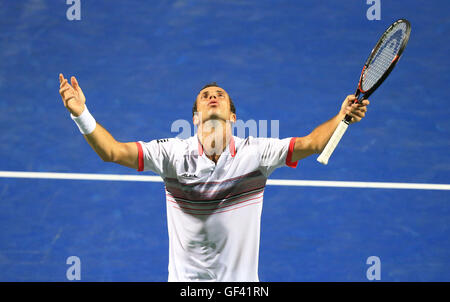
[{"x": 231, "y": 146}]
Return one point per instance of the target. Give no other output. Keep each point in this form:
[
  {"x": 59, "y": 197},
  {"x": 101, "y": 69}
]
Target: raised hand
[{"x": 72, "y": 95}]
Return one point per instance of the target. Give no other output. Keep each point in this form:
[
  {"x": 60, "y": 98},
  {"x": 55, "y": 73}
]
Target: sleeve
[
  {"x": 275, "y": 153},
  {"x": 156, "y": 155}
]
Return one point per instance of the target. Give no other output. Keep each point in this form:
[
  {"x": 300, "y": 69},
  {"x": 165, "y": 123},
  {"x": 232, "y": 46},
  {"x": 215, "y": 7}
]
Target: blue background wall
[{"x": 141, "y": 64}]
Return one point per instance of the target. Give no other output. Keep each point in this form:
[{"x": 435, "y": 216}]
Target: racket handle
[{"x": 333, "y": 142}]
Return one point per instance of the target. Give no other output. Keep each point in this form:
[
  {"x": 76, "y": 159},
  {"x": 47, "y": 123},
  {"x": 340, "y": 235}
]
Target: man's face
[{"x": 213, "y": 103}]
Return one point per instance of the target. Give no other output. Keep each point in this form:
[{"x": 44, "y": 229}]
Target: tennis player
[{"x": 214, "y": 181}]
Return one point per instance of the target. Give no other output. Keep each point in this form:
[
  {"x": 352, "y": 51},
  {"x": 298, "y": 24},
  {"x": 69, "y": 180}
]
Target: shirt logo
[{"x": 189, "y": 175}]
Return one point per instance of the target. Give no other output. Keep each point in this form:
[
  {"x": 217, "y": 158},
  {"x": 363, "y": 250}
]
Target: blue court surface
[{"x": 141, "y": 65}]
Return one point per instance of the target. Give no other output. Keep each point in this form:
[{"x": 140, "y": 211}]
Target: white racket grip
[{"x": 333, "y": 142}]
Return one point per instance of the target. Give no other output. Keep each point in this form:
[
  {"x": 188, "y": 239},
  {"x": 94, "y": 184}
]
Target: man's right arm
[
  {"x": 110, "y": 150},
  {"x": 99, "y": 139}
]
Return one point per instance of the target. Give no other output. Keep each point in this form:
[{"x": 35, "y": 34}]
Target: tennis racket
[{"x": 378, "y": 66}]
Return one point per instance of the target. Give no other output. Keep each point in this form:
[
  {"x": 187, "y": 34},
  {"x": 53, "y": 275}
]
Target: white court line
[
  {"x": 79, "y": 176},
  {"x": 273, "y": 182},
  {"x": 357, "y": 184}
]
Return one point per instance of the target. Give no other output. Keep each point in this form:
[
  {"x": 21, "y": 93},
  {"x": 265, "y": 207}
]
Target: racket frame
[
  {"x": 342, "y": 127},
  {"x": 367, "y": 93}
]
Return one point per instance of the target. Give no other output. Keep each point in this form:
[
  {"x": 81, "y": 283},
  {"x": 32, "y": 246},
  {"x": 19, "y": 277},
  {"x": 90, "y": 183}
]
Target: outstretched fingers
[
  {"x": 64, "y": 87},
  {"x": 74, "y": 82},
  {"x": 66, "y": 91}
]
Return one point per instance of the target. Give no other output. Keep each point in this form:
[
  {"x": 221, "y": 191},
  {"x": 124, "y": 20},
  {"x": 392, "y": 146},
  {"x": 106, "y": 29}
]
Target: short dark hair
[{"x": 213, "y": 84}]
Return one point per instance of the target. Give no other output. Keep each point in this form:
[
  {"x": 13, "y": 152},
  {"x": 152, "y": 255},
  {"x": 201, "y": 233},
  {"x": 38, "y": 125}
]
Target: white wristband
[{"x": 85, "y": 122}]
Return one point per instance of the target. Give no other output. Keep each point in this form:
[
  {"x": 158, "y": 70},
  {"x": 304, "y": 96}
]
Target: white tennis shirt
[{"x": 214, "y": 210}]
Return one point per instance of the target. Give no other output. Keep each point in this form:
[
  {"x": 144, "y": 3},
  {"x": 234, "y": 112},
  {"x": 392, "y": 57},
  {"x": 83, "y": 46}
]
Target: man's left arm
[{"x": 316, "y": 141}]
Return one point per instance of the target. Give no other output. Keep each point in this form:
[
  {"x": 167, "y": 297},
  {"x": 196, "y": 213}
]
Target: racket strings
[{"x": 384, "y": 56}]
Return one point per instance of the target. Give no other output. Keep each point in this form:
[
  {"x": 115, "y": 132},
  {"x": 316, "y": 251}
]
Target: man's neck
[{"x": 214, "y": 135}]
